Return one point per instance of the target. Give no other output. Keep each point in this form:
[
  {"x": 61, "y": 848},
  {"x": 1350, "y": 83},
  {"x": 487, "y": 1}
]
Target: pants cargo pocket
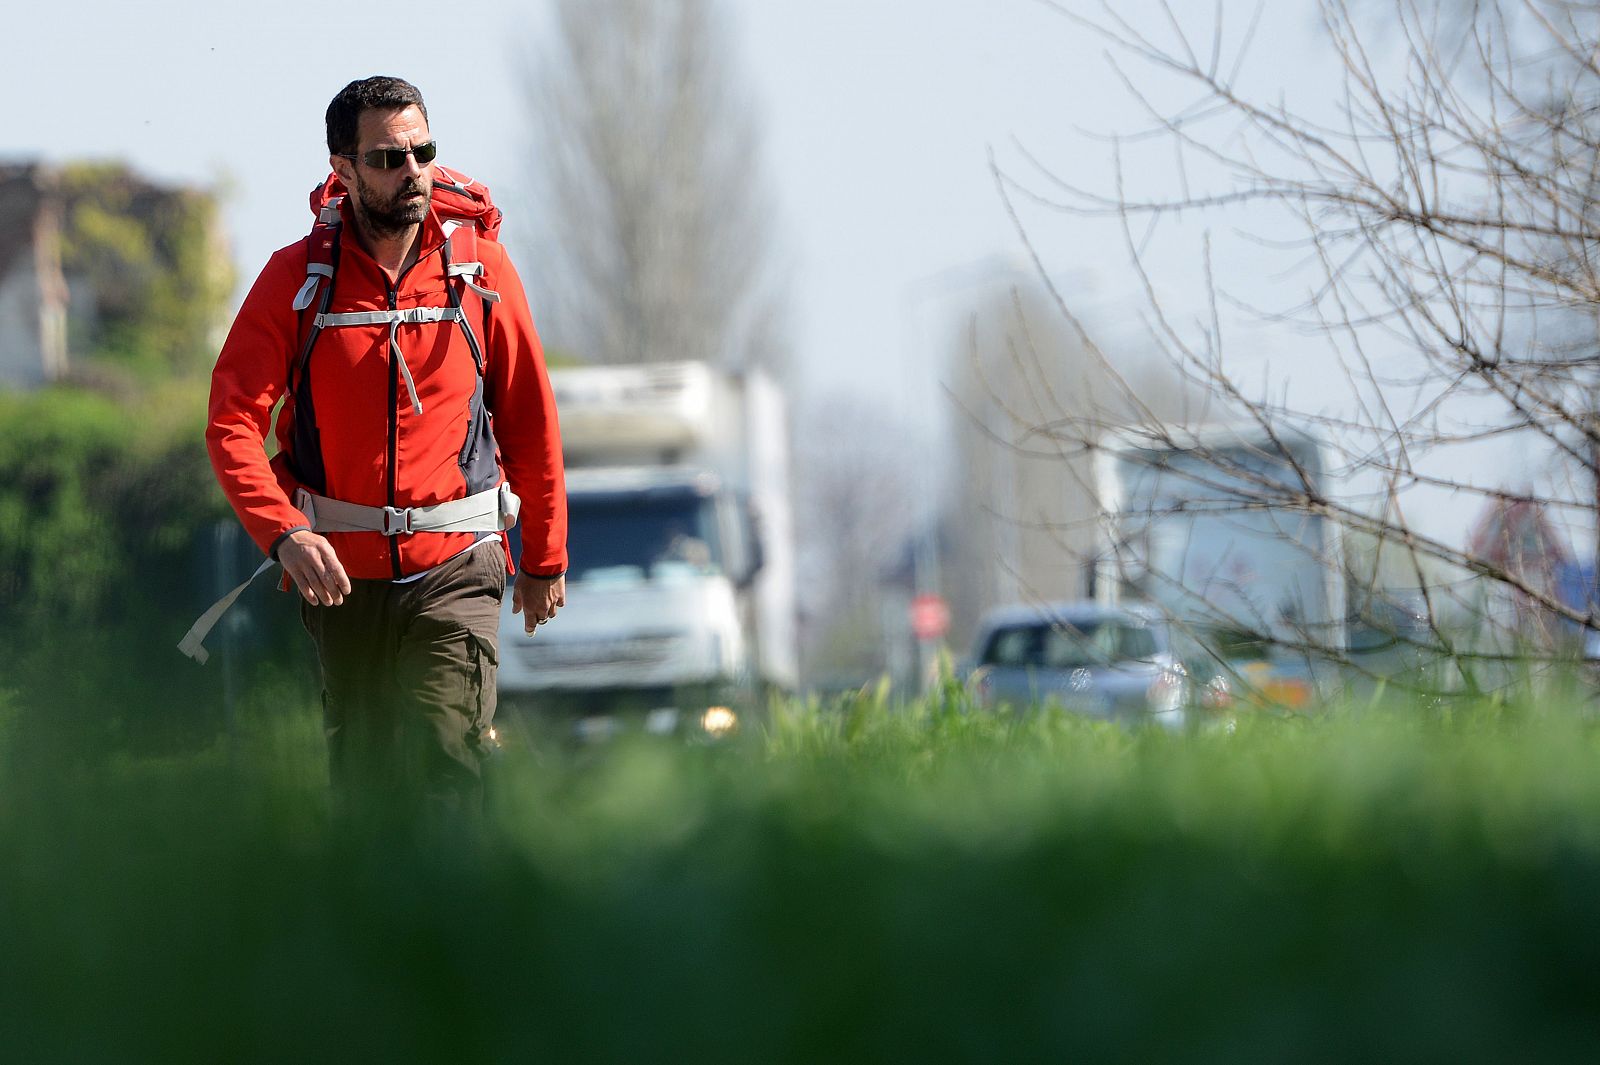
[{"x": 483, "y": 664}]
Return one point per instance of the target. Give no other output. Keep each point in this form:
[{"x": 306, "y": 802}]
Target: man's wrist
[
  {"x": 283, "y": 537},
  {"x": 538, "y": 576}
]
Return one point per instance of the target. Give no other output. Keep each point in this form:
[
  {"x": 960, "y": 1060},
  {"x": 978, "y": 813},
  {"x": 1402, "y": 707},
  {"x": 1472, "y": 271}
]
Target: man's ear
[{"x": 345, "y": 169}]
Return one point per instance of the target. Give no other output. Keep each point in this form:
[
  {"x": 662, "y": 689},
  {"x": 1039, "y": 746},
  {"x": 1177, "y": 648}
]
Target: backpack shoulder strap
[
  {"x": 461, "y": 243},
  {"x": 459, "y": 240},
  {"x": 469, "y": 215},
  {"x": 322, "y": 260},
  {"x": 321, "y": 253}
]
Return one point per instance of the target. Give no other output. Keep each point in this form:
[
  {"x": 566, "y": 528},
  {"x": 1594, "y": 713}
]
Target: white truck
[
  {"x": 1213, "y": 524},
  {"x": 680, "y": 608}
]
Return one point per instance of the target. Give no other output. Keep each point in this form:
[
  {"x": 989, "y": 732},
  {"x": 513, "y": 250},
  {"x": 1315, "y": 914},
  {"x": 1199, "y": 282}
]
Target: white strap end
[
  {"x": 195, "y": 637},
  {"x": 191, "y": 645},
  {"x": 302, "y": 299}
]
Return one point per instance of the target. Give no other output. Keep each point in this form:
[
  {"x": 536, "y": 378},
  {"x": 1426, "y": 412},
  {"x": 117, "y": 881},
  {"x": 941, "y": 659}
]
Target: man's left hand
[{"x": 537, "y": 599}]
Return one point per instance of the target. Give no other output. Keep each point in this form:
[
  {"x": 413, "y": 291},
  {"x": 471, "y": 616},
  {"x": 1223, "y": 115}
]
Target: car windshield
[{"x": 1060, "y": 645}]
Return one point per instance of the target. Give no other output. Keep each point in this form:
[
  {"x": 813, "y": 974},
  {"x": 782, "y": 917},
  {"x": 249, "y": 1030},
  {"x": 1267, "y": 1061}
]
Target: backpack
[
  {"x": 467, "y": 213},
  {"x": 463, "y": 205}
]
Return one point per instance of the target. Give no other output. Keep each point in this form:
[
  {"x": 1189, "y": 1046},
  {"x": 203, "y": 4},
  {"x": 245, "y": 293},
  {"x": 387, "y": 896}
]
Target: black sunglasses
[{"x": 394, "y": 158}]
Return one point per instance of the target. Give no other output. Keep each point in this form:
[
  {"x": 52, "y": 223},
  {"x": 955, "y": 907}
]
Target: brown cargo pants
[{"x": 408, "y": 686}]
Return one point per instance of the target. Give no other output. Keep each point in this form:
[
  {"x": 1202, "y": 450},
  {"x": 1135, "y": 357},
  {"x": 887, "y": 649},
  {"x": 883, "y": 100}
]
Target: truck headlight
[{"x": 719, "y": 721}]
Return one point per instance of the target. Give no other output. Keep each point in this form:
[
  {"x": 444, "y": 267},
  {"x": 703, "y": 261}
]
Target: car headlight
[
  {"x": 1217, "y": 694},
  {"x": 1167, "y": 692}
]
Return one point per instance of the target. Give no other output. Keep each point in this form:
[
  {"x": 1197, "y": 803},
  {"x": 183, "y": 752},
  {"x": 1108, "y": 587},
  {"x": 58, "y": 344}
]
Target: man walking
[{"x": 416, "y": 416}]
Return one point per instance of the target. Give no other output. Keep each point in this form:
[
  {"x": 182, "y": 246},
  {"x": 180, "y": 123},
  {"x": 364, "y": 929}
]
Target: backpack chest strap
[{"x": 394, "y": 319}]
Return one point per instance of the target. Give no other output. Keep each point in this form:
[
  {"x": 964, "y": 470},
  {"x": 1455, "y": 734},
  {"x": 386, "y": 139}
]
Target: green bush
[
  {"x": 109, "y": 514},
  {"x": 107, "y": 511},
  {"x": 860, "y": 882}
]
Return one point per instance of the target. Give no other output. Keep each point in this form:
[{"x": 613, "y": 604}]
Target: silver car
[{"x": 1105, "y": 662}]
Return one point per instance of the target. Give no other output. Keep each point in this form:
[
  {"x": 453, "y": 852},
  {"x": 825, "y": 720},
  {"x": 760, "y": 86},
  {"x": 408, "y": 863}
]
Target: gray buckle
[
  {"x": 303, "y": 503},
  {"x": 508, "y": 504},
  {"x": 396, "y": 520}
]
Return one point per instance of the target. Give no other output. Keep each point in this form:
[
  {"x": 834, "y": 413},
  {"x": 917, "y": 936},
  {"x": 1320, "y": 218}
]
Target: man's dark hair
[{"x": 377, "y": 93}]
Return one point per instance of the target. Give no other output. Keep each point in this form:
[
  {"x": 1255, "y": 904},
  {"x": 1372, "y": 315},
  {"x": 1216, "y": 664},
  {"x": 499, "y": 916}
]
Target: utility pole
[{"x": 926, "y": 581}]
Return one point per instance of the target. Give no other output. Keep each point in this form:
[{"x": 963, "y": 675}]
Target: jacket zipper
[
  {"x": 394, "y": 436},
  {"x": 392, "y": 288}
]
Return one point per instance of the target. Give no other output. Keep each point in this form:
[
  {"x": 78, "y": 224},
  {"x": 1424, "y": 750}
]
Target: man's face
[{"x": 392, "y": 200}]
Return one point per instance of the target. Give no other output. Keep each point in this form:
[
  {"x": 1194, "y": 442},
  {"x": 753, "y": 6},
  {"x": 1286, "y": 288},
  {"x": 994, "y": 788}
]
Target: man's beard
[{"x": 391, "y": 216}]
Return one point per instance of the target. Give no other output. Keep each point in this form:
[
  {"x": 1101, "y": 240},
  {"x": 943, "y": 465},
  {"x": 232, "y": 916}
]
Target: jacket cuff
[
  {"x": 272, "y": 552},
  {"x": 543, "y": 575}
]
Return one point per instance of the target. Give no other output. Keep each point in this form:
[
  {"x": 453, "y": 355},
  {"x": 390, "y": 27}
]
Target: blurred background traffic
[{"x": 874, "y": 332}]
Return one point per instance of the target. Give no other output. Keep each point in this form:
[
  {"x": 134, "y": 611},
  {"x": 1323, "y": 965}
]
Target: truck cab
[
  {"x": 1215, "y": 526},
  {"x": 679, "y": 610}
]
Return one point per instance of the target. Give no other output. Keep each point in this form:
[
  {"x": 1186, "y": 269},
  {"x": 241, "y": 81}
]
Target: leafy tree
[{"x": 155, "y": 276}]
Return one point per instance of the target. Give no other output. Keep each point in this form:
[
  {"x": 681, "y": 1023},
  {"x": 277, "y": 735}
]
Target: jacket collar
[{"x": 432, "y": 231}]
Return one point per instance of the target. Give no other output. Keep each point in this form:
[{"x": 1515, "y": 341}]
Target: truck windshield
[
  {"x": 635, "y": 538},
  {"x": 1222, "y": 540}
]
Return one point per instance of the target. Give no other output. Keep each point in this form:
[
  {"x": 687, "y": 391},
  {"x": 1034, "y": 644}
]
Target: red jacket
[{"x": 375, "y": 448}]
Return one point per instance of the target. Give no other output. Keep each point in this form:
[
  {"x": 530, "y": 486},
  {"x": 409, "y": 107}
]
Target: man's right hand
[{"x": 310, "y": 562}]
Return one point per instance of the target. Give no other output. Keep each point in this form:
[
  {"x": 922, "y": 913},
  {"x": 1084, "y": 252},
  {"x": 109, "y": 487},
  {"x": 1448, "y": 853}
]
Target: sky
[{"x": 880, "y": 119}]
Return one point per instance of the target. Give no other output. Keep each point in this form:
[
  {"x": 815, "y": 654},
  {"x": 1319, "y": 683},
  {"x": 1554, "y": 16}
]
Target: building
[
  {"x": 1031, "y": 398},
  {"x": 1514, "y": 537},
  {"x": 33, "y": 290}
]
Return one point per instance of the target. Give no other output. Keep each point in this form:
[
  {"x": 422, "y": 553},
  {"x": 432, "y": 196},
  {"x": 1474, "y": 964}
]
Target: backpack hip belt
[{"x": 490, "y": 511}]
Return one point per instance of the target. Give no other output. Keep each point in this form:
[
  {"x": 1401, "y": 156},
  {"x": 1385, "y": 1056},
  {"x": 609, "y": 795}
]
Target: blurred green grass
[{"x": 854, "y": 882}]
